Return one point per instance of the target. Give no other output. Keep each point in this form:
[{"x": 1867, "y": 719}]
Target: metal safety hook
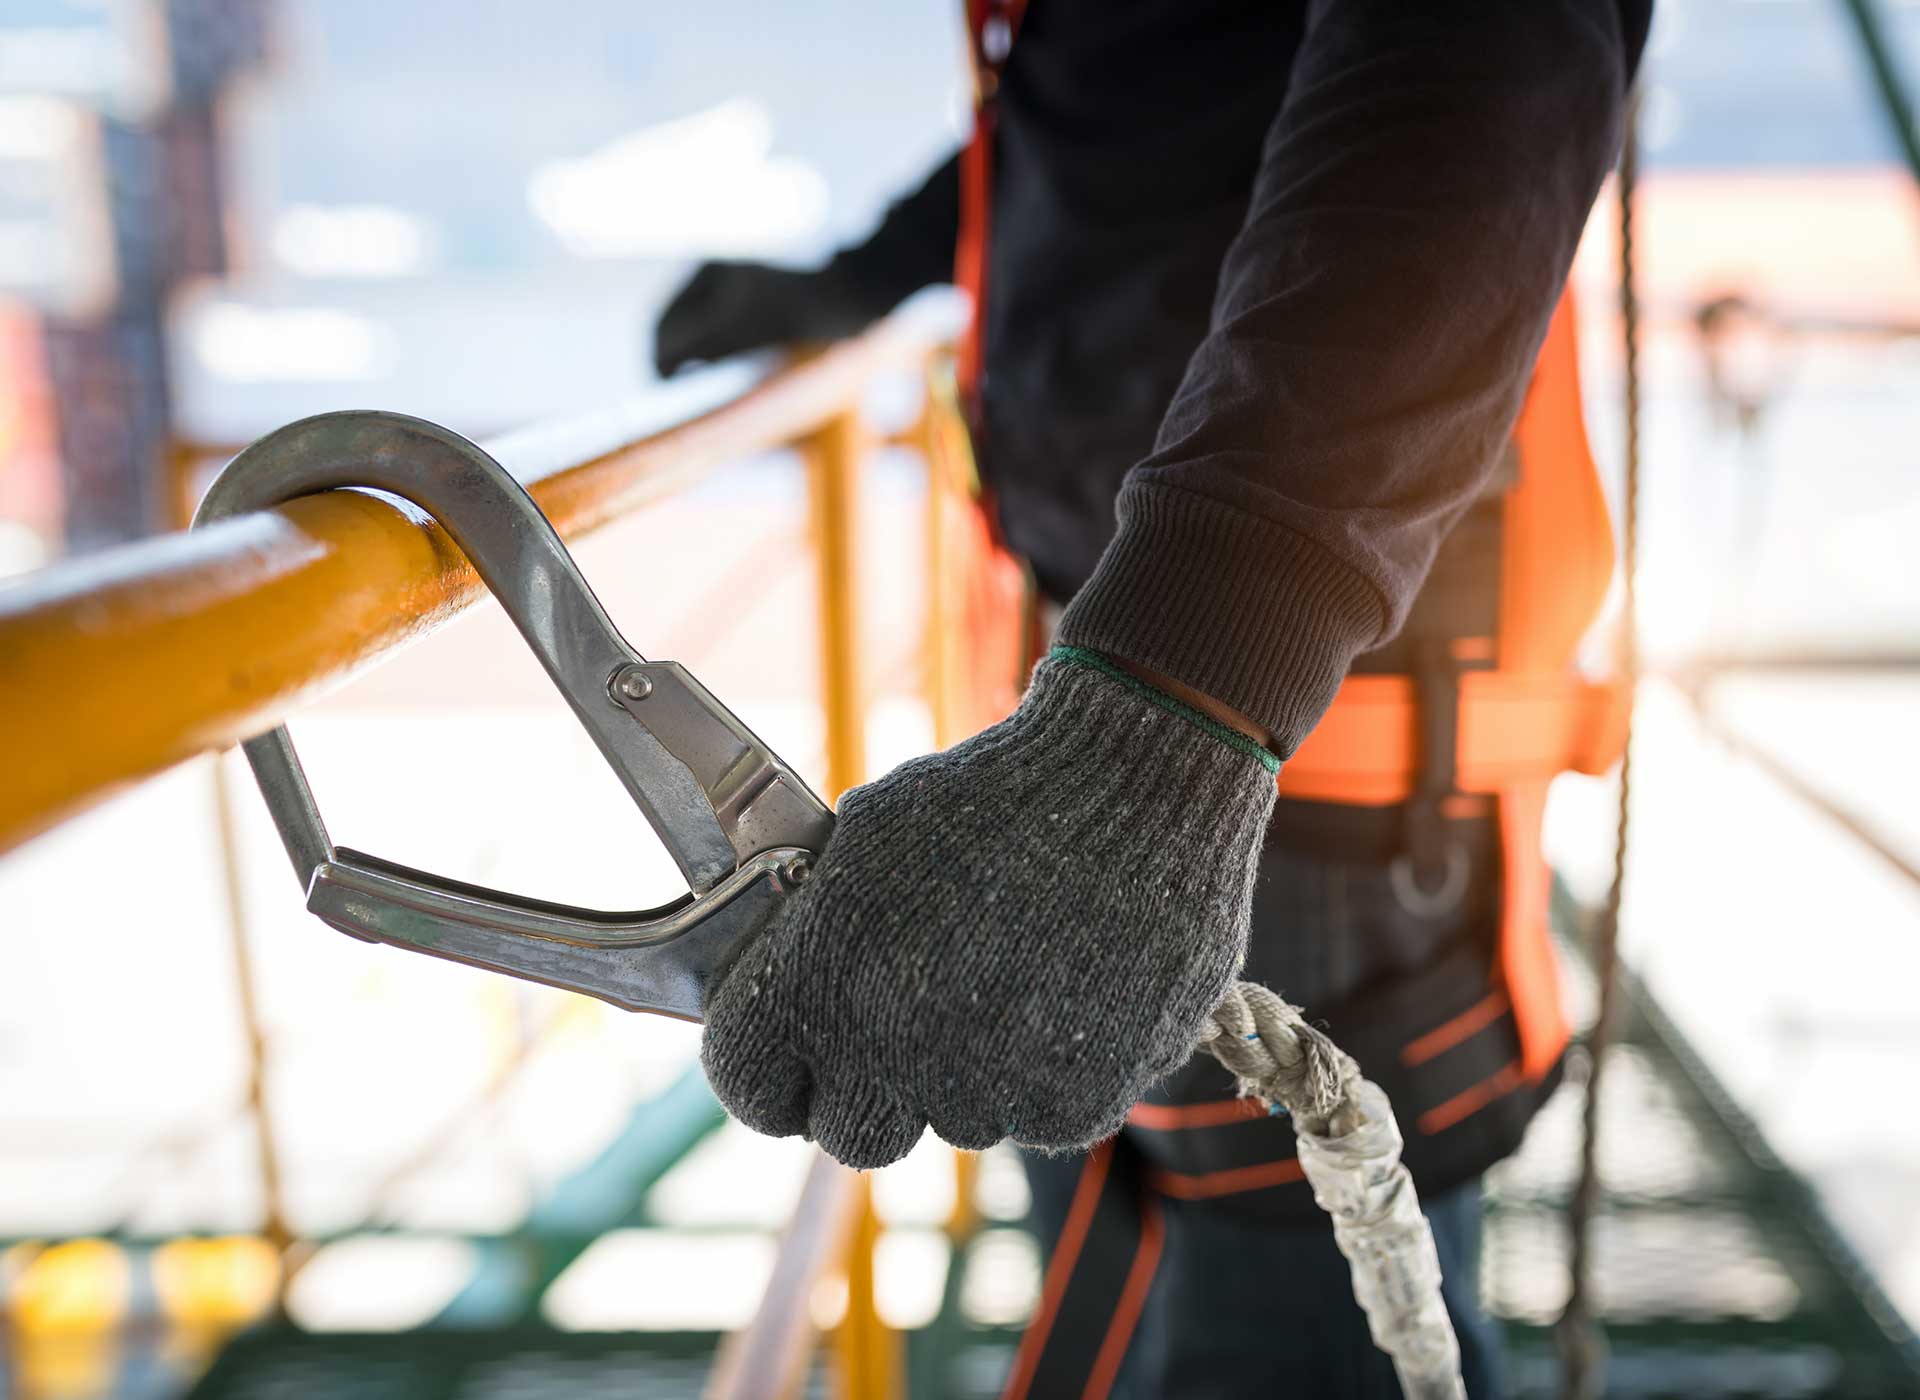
[{"x": 741, "y": 825}]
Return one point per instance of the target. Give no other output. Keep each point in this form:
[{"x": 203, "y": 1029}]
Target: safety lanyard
[{"x": 991, "y": 27}]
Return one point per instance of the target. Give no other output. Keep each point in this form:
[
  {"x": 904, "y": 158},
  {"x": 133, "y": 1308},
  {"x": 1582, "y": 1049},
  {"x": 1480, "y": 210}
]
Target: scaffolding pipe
[{"x": 121, "y": 664}]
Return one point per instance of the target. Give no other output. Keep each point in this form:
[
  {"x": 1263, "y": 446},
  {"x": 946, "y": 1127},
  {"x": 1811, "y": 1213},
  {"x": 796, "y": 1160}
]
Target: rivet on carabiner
[{"x": 630, "y": 683}]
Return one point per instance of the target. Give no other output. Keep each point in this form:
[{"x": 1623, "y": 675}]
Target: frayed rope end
[{"x": 1277, "y": 1057}]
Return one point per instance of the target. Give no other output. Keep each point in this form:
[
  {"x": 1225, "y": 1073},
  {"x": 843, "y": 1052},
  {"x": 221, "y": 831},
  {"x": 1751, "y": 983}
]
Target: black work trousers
[
  {"x": 1240, "y": 1310},
  {"x": 1249, "y": 1297}
]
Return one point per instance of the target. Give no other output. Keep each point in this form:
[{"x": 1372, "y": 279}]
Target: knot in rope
[{"x": 1276, "y": 1057}]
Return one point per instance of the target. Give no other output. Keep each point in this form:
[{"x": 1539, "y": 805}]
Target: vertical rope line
[
  {"x": 274, "y": 1226},
  {"x": 1583, "y": 1352}
]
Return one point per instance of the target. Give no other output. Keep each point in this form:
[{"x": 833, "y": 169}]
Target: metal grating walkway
[{"x": 1720, "y": 1279}]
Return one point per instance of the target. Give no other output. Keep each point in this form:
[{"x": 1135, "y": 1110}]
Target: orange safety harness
[
  {"x": 1479, "y": 719},
  {"x": 991, "y": 27},
  {"x": 1520, "y": 720},
  {"x": 1514, "y": 712},
  {"x": 992, "y": 590}
]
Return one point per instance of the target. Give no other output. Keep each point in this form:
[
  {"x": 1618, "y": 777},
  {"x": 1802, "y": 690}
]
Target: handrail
[
  {"x": 122, "y": 664},
  {"x": 116, "y": 666},
  {"x": 1790, "y": 780}
]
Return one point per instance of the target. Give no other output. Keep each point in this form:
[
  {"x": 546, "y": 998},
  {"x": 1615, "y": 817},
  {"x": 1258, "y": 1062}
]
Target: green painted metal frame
[
  {"x": 1843, "y": 1312},
  {"x": 609, "y": 1193}
]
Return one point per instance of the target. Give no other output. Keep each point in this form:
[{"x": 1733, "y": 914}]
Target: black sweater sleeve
[
  {"x": 1416, "y": 210},
  {"x": 912, "y": 248}
]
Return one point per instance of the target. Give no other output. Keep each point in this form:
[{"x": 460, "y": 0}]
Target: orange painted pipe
[{"x": 116, "y": 666}]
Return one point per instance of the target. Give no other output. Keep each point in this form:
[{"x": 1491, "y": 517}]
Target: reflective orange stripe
[
  {"x": 1066, "y": 1254},
  {"x": 1167, "y": 1117},
  {"x": 1468, "y": 1102},
  {"x": 1113, "y": 1347},
  {"x": 1196, "y": 1186},
  {"x": 1444, "y": 1037}
]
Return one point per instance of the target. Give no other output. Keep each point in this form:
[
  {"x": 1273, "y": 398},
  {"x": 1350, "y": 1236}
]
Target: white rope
[
  {"x": 1350, "y": 1152},
  {"x": 1276, "y": 1057}
]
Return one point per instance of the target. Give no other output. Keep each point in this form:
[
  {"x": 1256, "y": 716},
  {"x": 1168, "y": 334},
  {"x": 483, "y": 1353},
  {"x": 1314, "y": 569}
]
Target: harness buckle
[
  {"x": 1430, "y": 846},
  {"x": 743, "y": 828}
]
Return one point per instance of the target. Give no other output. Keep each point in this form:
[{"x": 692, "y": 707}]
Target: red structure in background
[
  {"x": 30, "y": 491},
  {"x": 104, "y": 372}
]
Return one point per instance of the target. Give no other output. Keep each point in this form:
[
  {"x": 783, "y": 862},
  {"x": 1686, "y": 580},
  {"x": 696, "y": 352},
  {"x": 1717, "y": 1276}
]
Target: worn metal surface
[{"x": 735, "y": 818}]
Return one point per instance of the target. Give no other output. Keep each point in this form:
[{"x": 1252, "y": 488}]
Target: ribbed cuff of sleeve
[{"x": 1240, "y": 608}]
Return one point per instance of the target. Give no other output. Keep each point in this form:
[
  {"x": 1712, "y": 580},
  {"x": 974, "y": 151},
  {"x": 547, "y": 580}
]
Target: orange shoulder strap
[
  {"x": 1528, "y": 718},
  {"x": 1532, "y": 715}
]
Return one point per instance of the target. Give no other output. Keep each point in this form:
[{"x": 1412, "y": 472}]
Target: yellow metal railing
[{"x": 120, "y": 665}]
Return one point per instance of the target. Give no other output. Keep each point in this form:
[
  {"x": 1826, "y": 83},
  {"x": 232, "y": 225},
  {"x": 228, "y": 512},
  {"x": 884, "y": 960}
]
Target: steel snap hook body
[{"x": 740, "y": 824}]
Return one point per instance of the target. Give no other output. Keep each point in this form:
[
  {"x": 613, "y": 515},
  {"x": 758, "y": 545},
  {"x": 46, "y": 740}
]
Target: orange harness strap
[
  {"x": 1526, "y": 720},
  {"x": 995, "y": 598},
  {"x": 991, "y": 26},
  {"x": 1533, "y": 715},
  {"x": 1515, "y": 726},
  {"x": 1519, "y": 724}
]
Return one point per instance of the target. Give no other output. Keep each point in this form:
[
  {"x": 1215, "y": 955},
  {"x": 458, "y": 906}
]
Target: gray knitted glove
[{"x": 1015, "y": 938}]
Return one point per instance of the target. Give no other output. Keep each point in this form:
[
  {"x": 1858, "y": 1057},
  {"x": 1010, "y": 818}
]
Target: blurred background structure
[{"x": 240, "y": 1156}]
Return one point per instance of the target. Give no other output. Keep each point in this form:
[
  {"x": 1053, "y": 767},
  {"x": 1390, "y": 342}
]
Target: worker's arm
[
  {"x": 1017, "y": 937},
  {"x": 728, "y": 308},
  {"x": 1418, "y": 203}
]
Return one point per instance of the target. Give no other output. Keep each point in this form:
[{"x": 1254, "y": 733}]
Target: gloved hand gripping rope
[
  {"x": 842, "y": 1002},
  {"x": 1350, "y": 1151}
]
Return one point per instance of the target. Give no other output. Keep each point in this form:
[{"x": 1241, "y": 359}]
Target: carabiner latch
[{"x": 740, "y": 824}]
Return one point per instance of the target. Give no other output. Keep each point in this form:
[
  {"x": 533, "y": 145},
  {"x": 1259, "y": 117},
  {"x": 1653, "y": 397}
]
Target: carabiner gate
[{"x": 740, "y": 824}]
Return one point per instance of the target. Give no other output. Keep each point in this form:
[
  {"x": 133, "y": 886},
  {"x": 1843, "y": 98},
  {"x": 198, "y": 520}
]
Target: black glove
[
  {"x": 728, "y": 308},
  {"x": 1014, "y": 938}
]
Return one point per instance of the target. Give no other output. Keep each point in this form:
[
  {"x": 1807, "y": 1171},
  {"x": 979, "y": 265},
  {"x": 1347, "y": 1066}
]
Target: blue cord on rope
[{"x": 1274, "y": 1110}]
